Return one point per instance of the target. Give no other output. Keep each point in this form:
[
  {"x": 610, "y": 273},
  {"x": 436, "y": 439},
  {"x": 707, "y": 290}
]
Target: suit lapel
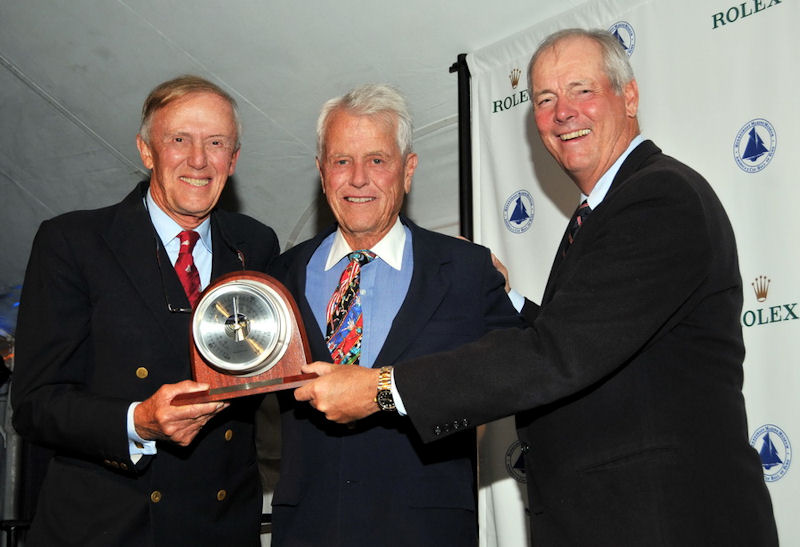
[
  {"x": 133, "y": 242},
  {"x": 631, "y": 165},
  {"x": 295, "y": 281},
  {"x": 628, "y": 168},
  {"x": 225, "y": 251},
  {"x": 426, "y": 291}
]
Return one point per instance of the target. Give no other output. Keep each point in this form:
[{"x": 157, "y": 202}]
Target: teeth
[
  {"x": 575, "y": 134},
  {"x": 359, "y": 200},
  {"x": 195, "y": 182}
]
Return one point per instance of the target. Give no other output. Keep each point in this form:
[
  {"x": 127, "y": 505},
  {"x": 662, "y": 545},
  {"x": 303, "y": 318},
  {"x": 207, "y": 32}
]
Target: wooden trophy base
[{"x": 283, "y": 374}]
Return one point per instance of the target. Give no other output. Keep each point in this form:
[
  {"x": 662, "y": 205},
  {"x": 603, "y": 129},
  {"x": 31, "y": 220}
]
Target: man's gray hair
[
  {"x": 615, "y": 58},
  {"x": 370, "y": 100}
]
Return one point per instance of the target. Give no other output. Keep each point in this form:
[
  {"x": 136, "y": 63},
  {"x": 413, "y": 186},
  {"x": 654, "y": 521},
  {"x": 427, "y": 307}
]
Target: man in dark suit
[
  {"x": 102, "y": 341},
  {"x": 627, "y": 382},
  {"x": 375, "y": 482}
]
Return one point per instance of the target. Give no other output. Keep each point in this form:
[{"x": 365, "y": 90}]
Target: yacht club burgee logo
[
  {"x": 623, "y": 31},
  {"x": 518, "y": 212},
  {"x": 774, "y": 449},
  {"x": 754, "y": 145}
]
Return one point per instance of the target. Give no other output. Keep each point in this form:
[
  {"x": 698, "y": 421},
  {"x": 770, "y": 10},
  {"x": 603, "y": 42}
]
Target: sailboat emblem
[
  {"x": 774, "y": 449},
  {"x": 518, "y": 211},
  {"x": 623, "y": 31},
  {"x": 754, "y": 145}
]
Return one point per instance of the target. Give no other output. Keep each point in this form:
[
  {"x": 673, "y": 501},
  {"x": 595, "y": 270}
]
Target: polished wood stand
[{"x": 285, "y": 374}]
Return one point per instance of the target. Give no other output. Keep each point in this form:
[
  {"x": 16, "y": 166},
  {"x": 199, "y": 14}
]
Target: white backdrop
[{"x": 717, "y": 85}]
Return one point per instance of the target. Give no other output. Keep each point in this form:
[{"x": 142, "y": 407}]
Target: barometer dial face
[{"x": 241, "y": 326}]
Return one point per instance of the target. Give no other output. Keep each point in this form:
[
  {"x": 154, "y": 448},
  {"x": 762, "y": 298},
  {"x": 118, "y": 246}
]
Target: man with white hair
[{"x": 376, "y": 288}]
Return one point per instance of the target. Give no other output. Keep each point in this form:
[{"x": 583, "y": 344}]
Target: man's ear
[
  {"x": 631, "y": 93},
  {"x": 144, "y": 152},
  {"x": 411, "y": 166},
  {"x": 321, "y": 177}
]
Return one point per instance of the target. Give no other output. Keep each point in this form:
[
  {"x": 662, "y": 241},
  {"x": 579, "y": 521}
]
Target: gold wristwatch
[{"x": 384, "y": 397}]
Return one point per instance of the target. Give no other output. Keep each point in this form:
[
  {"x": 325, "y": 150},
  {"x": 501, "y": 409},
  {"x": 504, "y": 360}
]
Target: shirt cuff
[
  {"x": 137, "y": 447},
  {"x": 398, "y": 402},
  {"x": 517, "y": 300}
]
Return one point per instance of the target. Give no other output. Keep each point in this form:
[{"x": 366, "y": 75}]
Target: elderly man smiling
[
  {"x": 376, "y": 288},
  {"x": 102, "y": 346}
]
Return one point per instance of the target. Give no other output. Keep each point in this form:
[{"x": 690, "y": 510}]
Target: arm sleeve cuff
[
  {"x": 137, "y": 447},
  {"x": 517, "y": 300},
  {"x": 398, "y": 402}
]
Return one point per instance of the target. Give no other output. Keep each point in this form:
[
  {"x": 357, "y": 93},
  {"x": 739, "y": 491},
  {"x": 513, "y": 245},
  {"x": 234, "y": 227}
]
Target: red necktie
[
  {"x": 185, "y": 268},
  {"x": 345, "y": 321},
  {"x": 575, "y": 224}
]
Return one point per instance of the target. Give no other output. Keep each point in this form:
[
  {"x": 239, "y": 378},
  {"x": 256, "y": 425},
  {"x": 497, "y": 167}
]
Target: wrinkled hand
[
  {"x": 156, "y": 419},
  {"x": 344, "y": 393},
  {"x": 503, "y": 270}
]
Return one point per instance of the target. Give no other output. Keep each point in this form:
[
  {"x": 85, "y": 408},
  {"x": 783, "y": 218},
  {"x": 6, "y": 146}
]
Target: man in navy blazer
[
  {"x": 375, "y": 482},
  {"x": 627, "y": 381},
  {"x": 102, "y": 348}
]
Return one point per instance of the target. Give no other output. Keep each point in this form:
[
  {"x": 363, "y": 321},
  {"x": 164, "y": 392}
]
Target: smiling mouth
[
  {"x": 358, "y": 200},
  {"x": 574, "y": 134},
  {"x": 195, "y": 182}
]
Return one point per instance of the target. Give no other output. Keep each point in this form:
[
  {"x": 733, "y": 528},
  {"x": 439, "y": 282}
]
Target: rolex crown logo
[
  {"x": 514, "y": 77},
  {"x": 761, "y": 287}
]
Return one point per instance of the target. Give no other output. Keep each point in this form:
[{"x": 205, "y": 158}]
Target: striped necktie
[{"x": 575, "y": 223}]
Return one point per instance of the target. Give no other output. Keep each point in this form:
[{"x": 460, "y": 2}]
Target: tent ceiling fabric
[{"x": 73, "y": 76}]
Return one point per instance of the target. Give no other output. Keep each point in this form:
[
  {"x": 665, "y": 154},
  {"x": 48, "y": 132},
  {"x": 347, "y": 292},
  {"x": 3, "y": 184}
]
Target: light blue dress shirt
[{"x": 383, "y": 287}]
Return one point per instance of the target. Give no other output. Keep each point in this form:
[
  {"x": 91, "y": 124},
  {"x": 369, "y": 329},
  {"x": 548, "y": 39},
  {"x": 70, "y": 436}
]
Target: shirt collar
[
  {"x": 603, "y": 185},
  {"x": 167, "y": 229},
  {"x": 389, "y": 249}
]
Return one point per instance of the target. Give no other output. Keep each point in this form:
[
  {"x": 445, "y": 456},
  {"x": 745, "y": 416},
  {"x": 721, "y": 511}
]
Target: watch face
[
  {"x": 385, "y": 400},
  {"x": 241, "y": 326}
]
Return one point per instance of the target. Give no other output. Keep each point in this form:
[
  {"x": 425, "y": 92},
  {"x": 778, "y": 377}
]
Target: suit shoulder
[
  {"x": 290, "y": 256},
  {"x": 456, "y": 246},
  {"x": 668, "y": 180},
  {"x": 244, "y": 225},
  {"x": 79, "y": 221},
  {"x": 661, "y": 167}
]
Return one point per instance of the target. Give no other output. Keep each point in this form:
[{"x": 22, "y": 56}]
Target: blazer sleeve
[
  {"x": 637, "y": 271},
  {"x": 51, "y": 404},
  {"x": 498, "y": 311}
]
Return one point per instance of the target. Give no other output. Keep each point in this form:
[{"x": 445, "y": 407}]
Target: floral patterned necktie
[{"x": 344, "y": 318}]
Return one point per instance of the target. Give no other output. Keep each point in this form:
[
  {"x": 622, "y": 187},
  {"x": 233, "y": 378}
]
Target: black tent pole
[{"x": 464, "y": 147}]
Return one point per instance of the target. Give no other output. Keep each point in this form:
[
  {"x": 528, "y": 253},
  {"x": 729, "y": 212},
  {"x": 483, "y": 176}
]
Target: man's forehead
[
  {"x": 212, "y": 109},
  {"x": 347, "y": 129},
  {"x": 575, "y": 52}
]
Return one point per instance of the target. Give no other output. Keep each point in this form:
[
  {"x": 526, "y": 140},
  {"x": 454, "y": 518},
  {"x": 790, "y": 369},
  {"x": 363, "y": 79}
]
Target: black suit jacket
[
  {"x": 93, "y": 335},
  {"x": 628, "y": 380},
  {"x": 376, "y": 482}
]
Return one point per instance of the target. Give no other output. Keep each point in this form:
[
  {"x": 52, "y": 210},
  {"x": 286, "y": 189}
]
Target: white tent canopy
[{"x": 73, "y": 76}]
